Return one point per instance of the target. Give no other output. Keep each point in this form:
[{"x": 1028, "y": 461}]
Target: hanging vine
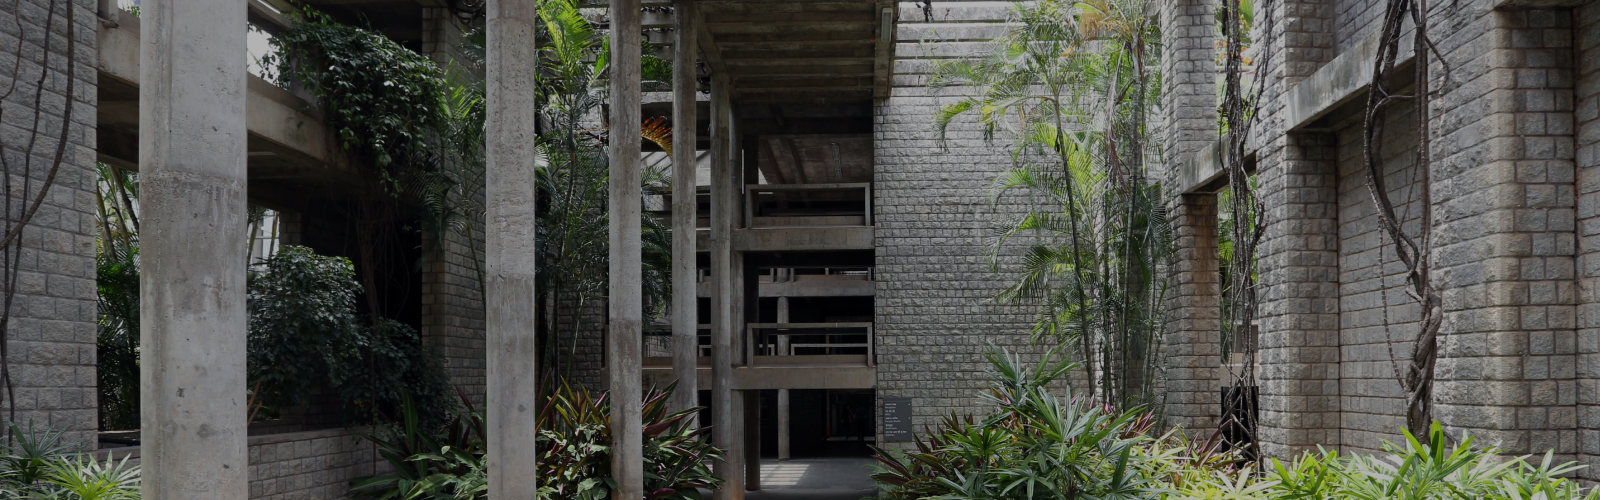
[
  {"x": 1245, "y": 224},
  {"x": 19, "y": 212},
  {"x": 1413, "y": 250}
]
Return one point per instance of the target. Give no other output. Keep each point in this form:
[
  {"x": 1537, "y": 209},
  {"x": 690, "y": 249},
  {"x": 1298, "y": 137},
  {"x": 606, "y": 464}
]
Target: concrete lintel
[
  {"x": 657, "y": 374},
  {"x": 1202, "y": 169},
  {"x": 1343, "y": 79},
  {"x": 820, "y": 288},
  {"x": 802, "y": 239}
]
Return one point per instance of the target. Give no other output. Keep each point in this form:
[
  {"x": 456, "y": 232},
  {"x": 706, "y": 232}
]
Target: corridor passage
[{"x": 815, "y": 479}]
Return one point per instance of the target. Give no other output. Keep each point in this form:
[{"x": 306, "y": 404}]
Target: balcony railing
[
  {"x": 791, "y": 205},
  {"x": 793, "y": 341}
]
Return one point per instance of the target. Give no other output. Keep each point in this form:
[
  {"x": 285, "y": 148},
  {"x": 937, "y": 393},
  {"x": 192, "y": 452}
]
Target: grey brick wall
[
  {"x": 935, "y": 307},
  {"x": 1587, "y": 159},
  {"x": 1370, "y": 275},
  {"x": 299, "y": 465},
  {"x": 51, "y": 338},
  {"x": 1192, "y": 354},
  {"x": 452, "y": 307}
]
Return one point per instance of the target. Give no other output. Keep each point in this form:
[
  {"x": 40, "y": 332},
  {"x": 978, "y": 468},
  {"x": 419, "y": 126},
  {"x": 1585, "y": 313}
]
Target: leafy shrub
[
  {"x": 573, "y": 447},
  {"x": 305, "y": 334}
]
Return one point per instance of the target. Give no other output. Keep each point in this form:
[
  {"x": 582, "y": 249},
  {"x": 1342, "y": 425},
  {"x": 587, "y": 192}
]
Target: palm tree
[{"x": 1071, "y": 85}]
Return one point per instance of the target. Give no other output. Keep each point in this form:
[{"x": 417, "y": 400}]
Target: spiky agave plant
[{"x": 1070, "y": 85}]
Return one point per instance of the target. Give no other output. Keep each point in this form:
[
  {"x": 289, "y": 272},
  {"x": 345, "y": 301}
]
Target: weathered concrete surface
[
  {"x": 1340, "y": 81},
  {"x": 685, "y": 310},
  {"x": 818, "y": 288},
  {"x": 624, "y": 297},
  {"x": 723, "y": 212},
  {"x": 819, "y": 238},
  {"x": 273, "y": 116},
  {"x": 512, "y": 381},
  {"x": 192, "y": 285}
]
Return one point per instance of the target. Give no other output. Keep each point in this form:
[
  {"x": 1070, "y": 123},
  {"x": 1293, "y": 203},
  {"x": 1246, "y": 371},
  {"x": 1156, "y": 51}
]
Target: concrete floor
[{"x": 815, "y": 479}]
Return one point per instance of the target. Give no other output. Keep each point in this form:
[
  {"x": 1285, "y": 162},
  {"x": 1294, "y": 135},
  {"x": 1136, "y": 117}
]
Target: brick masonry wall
[
  {"x": 1370, "y": 275},
  {"x": 1299, "y": 253},
  {"x": 1504, "y": 194},
  {"x": 936, "y": 312},
  {"x": 1587, "y": 162},
  {"x": 1192, "y": 354},
  {"x": 1355, "y": 20},
  {"x": 452, "y": 307},
  {"x": 299, "y": 465},
  {"x": 51, "y": 338}
]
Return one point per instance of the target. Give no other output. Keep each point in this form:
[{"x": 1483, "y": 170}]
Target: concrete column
[
  {"x": 511, "y": 371},
  {"x": 723, "y": 403},
  {"x": 783, "y": 425},
  {"x": 783, "y": 394},
  {"x": 752, "y": 440},
  {"x": 685, "y": 336},
  {"x": 192, "y": 164},
  {"x": 625, "y": 298}
]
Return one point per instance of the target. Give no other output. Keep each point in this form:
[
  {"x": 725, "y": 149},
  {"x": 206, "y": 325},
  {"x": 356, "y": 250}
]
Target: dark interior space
[{"x": 822, "y": 423}]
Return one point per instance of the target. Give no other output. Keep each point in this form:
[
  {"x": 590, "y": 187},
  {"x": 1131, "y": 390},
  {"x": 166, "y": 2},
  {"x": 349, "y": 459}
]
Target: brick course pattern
[
  {"x": 935, "y": 309},
  {"x": 313, "y": 465},
  {"x": 51, "y": 346}
]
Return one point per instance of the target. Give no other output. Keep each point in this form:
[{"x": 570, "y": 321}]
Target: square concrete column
[
  {"x": 725, "y": 406},
  {"x": 512, "y": 374},
  {"x": 192, "y": 286},
  {"x": 783, "y": 394},
  {"x": 625, "y": 297},
  {"x": 685, "y": 319}
]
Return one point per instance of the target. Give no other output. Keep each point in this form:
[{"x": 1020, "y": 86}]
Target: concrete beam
[
  {"x": 818, "y": 288},
  {"x": 192, "y": 287},
  {"x": 511, "y": 369},
  {"x": 1342, "y": 80},
  {"x": 831, "y": 375},
  {"x": 794, "y": 239},
  {"x": 272, "y": 114}
]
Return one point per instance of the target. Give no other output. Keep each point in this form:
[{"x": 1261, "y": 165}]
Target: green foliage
[
  {"x": 430, "y": 462},
  {"x": 41, "y": 464},
  {"x": 1070, "y": 83},
  {"x": 380, "y": 99},
  {"x": 1035, "y": 445},
  {"x": 117, "y": 284},
  {"x": 573, "y": 180},
  {"x": 574, "y": 452},
  {"x": 305, "y": 334}
]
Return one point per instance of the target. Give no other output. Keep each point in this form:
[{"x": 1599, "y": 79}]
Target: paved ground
[{"x": 815, "y": 479}]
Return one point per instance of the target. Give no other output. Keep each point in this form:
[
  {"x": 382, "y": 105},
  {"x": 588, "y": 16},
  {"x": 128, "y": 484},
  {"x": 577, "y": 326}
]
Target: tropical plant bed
[{"x": 1035, "y": 445}]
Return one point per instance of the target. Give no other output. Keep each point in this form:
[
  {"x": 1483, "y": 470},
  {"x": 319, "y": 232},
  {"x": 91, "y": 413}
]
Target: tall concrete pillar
[
  {"x": 724, "y": 405},
  {"x": 783, "y": 394},
  {"x": 512, "y": 377},
  {"x": 625, "y": 298},
  {"x": 192, "y": 289},
  {"x": 685, "y": 320}
]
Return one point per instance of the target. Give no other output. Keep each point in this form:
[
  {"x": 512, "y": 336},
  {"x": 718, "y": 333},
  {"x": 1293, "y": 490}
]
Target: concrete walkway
[{"x": 815, "y": 479}]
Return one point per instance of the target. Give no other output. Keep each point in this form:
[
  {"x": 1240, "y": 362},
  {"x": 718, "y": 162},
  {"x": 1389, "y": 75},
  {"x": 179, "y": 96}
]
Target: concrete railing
[
  {"x": 780, "y": 339},
  {"x": 837, "y": 198}
]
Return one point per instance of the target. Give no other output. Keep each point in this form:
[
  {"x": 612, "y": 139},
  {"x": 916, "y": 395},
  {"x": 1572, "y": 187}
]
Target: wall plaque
[{"x": 897, "y": 419}]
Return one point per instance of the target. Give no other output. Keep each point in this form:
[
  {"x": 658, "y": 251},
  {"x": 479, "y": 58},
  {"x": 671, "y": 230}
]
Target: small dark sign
[{"x": 897, "y": 419}]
